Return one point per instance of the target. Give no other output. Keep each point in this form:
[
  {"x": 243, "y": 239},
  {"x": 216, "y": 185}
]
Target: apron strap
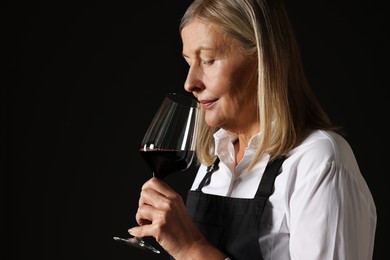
[
  {"x": 207, "y": 178},
  {"x": 267, "y": 181}
]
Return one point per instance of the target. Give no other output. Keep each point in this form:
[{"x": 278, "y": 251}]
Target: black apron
[{"x": 232, "y": 224}]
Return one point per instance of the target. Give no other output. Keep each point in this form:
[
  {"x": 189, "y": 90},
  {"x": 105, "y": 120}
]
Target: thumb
[{"x": 137, "y": 231}]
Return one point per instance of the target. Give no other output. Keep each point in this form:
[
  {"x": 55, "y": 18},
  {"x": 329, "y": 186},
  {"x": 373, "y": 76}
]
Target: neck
[
  {"x": 242, "y": 141},
  {"x": 240, "y": 145}
]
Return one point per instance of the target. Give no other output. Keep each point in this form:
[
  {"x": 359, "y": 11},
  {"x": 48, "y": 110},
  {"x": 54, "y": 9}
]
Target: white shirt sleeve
[{"x": 332, "y": 214}]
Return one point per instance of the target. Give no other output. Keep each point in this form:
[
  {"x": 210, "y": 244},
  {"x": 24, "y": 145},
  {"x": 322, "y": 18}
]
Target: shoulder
[
  {"x": 324, "y": 145},
  {"x": 324, "y": 164},
  {"x": 323, "y": 151}
]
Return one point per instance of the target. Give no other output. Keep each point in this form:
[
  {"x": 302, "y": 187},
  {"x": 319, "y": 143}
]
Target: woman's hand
[{"x": 163, "y": 215}]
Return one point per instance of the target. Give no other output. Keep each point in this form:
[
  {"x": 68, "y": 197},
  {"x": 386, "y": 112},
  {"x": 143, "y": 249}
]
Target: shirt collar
[{"x": 222, "y": 138}]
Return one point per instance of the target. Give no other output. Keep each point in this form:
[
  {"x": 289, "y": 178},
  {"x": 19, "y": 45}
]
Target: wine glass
[{"x": 169, "y": 143}]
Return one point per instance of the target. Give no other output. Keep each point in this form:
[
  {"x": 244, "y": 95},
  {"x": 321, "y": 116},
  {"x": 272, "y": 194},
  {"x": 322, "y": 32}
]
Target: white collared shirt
[{"x": 321, "y": 208}]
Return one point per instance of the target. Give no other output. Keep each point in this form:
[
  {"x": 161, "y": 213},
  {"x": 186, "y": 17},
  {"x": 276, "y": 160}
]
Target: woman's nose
[{"x": 193, "y": 81}]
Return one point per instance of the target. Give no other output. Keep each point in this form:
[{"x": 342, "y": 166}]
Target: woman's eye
[{"x": 207, "y": 62}]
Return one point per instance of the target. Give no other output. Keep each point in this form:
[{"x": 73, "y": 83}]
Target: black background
[{"x": 83, "y": 80}]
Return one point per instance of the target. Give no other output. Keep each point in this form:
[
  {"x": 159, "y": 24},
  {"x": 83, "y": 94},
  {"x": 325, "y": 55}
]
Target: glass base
[{"x": 137, "y": 242}]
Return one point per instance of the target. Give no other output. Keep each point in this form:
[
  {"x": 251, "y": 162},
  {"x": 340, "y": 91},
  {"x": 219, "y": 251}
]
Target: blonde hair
[{"x": 287, "y": 107}]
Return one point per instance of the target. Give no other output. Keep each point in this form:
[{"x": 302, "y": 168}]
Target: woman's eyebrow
[{"x": 199, "y": 50}]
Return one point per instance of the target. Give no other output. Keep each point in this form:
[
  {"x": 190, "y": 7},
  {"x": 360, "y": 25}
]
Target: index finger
[{"x": 159, "y": 186}]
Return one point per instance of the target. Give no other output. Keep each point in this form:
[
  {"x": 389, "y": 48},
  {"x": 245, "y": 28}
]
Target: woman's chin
[{"x": 213, "y": 121}]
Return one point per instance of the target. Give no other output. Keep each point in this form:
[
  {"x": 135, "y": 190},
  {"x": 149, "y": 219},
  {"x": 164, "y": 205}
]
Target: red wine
[{"x": 164, "y": 162}]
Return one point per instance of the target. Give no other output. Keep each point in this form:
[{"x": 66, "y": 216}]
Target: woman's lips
[{"x": 207, "y": 103}]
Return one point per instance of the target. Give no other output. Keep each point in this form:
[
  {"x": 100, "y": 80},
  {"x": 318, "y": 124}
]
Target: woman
[{"x": 277, "y": 180}]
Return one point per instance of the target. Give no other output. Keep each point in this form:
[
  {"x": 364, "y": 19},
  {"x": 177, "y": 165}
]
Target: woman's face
[{"x": 221, "y": 77}]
